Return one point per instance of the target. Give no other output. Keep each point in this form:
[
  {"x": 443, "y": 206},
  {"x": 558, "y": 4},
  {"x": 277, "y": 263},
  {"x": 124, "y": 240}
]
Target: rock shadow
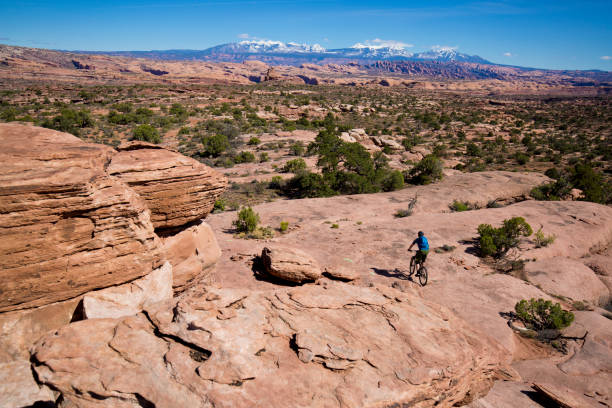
[
  {"x": 395, "y": 273},
  {"x": 540, "y": 399},
  {"x": 472, "y": 249}
]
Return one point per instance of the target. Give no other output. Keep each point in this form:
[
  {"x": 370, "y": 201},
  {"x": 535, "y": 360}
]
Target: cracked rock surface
[{"x": 331, "y": 344}]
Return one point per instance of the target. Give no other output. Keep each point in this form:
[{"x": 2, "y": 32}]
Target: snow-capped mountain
[
  {"x": 359, "y": 51},
  {"x": 446, "y": 54},
  {"x": 267, "y": 46},
  {"x": 292, "y": 53}
]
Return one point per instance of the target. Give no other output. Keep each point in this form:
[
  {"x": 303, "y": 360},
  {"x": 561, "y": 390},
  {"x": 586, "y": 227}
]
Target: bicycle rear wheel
[{"x": 423, "y": 276}]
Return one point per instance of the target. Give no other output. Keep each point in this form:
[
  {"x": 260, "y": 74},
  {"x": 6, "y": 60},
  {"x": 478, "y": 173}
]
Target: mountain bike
[{"x": 420, "y": 269}]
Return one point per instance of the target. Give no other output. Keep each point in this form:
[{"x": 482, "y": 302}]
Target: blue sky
[{"x": 538, "y": 33}]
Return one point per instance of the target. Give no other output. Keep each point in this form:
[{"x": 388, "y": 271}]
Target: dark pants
[{"x": 421, "y": 255}]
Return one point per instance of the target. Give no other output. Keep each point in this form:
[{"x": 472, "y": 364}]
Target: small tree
[
  {"x": 247, "y": 220},
  {"x": 294, "y": 166},
  {"x": 428, "y": 170},
  {"x": 497, "y": 242},
  {"x": 542, "y": 314},
  {"x": 215, "y": 145},
  {"x": 147, "y": 133}
]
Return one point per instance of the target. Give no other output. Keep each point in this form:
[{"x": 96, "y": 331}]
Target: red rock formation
[
  {"x": 67, "y": 226},
  {"x": 177, "y": 189}
]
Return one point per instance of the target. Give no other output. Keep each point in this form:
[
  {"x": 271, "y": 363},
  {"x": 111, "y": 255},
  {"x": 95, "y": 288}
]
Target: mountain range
[{"x": 277, "y": 52}]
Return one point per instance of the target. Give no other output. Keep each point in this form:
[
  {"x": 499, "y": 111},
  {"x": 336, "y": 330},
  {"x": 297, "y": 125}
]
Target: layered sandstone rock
[
  {"x": 193, "y": 253},
  {"x": 290, "y": 264},
  {"x": 330, "y": 345},
  {"x": 68, "y": 227},
  {"x": 177, "y": 189}
]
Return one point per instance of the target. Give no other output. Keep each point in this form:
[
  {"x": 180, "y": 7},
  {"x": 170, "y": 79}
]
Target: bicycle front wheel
[
  {"x": 423, "y": 276},
  {"x": 412, "y": 265}
]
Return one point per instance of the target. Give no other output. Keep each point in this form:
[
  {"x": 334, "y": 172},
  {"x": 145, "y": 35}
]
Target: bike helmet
[{"x": 421, "y": 233}]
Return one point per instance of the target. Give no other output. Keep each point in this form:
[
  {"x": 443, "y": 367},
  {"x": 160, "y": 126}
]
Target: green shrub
[
  {"x": 542, "y": 314},
  {"x": 445, "y": 248},
  {"x": 294, "y": 166},
  {"x": 276, "y": 183},
  {"x": 147, "y": 133},
  {"x": 263, "y": 157},
  {"x": 401, "y": 213},
  {"x": 284, "y": 225},
  {"x": 178, "y": 110},
  {"x": 247, "y": 220},
  {"x": 244, "y": 157},
  {"x": 521, "y": 158},
  {"x": 215, "y": 145},
  {"x": 69, "y": 120},
  {"x": 254, "y": 141},
  {"x": 220, "y": 205},
  {"x": 297, "y": 149},
  {"x": 552, "y": 191},
  {"x": 306, "y": 184},
  {"x": 393, "y": 181},
  {"x": 497, "y": 242},
  {"x": 543, "y": 240},
  {"x": 473, "y": 150},
  {"x": 335, "y": 226},
  {"x": 125, "y": 107},
  {"x": 591, "y": 183},
  {"x": 428, "y": 170},
  {"x": 459, "y": 206}
]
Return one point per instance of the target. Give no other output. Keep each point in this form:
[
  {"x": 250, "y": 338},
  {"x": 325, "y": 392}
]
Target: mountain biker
[{"x": 423, "y": 244}]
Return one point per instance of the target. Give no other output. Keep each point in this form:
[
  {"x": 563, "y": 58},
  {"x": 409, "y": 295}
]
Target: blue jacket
[{"x": 422, "y": 243}]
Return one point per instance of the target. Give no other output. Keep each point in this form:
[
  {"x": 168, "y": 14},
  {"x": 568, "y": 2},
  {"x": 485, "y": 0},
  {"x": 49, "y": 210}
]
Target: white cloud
[
  {"x": 245, "y": 35},
  {"x": 443, "y": 48},
  {"x": 606, "y": 57},
  {"x": 508, "y": 54},
  {"x": 378, "y": 43}
]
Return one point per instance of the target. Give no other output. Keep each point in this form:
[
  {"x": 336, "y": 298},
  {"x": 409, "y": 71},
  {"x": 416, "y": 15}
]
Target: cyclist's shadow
[{"x": 395, "y": 273}]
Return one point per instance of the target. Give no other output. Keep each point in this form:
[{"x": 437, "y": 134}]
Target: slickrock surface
[
  {"x": 67, "y": 227},
  {"x": 372, "y": 243},
  {"x": 193, "y": 253},
  {"x": 177, "y": 189},
  {"x": 315, "y": 345},
  {"x": 569, "y": 278}
]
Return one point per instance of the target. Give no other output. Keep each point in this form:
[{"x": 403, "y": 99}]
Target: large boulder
[
  {"x": 178, "y": 190},
  {"x": 290, "y": 264},
  {"x": 334, "y": 345},
  {"x": 67, "y": 226},
  {"x": 193, "y": 253}
]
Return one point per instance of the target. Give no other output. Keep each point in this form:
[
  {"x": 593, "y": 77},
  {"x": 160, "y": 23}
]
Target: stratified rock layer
[
  {"x": 333, "y": 345},
  {"x": 177, "y": 189},
  {"x": 67, "y": 227}
]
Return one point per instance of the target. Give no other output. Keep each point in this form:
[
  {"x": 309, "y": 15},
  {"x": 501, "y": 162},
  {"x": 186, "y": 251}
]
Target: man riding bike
[{"x": 423, "y": 244}]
